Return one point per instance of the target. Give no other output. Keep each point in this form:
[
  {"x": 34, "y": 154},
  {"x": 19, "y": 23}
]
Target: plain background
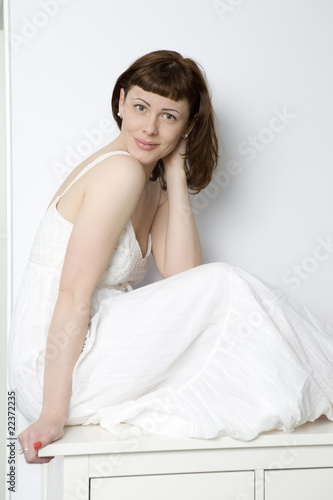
[
  {"x": 269, "y": 209},
  {"x": 3, "y": 251}
]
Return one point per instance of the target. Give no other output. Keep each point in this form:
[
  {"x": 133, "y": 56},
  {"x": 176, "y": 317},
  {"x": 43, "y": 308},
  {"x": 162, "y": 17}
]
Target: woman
[{"x": 211, "y": 350}]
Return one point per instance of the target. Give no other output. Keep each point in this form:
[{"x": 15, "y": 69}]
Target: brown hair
[{"x": 169, "y": 74}]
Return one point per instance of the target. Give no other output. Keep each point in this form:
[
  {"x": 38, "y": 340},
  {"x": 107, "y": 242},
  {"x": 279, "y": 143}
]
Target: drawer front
[
  {"x": 196, "y": 486},
  {"x": 299, "y": 484}
]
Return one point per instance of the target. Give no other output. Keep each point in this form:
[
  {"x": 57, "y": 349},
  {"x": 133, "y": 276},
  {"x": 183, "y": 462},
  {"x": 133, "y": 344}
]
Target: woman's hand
[
  {"x": 45, "y": 430},
  {"x": 175, "y": 159}
]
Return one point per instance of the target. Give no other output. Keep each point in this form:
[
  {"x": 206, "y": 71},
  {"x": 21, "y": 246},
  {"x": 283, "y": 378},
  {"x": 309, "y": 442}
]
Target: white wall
[
  {"x": 3, "y": 260},
  {"x": 270, "y": 212}
]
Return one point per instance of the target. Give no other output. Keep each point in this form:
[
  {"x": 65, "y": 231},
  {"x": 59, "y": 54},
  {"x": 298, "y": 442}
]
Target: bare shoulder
[
  {"x": 121, "y": 166},
  {"x": 116, "y": 170}
]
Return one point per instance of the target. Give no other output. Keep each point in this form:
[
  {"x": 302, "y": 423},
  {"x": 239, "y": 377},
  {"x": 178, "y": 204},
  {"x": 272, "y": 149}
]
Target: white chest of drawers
[{"x": 91, "y": 464}]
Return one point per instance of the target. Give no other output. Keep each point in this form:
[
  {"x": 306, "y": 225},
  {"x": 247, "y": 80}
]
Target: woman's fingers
[
  {"x": 38, "y": 445},
  {"x": 38, "y": 435},
  {"x": 25, "y": 448},
  {"x": 175, "y": 158},
  {"x": 31, "y": 455}
]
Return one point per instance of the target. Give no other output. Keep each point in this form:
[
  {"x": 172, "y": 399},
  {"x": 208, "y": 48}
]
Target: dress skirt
[{"x": 210, "y": 351}]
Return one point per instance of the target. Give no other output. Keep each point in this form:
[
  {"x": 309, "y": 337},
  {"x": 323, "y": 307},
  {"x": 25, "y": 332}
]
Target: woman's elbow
[{"x": 76, "y": 297}]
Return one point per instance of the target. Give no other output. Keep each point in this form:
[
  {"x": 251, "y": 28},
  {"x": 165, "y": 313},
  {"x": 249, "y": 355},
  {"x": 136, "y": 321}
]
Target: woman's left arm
[{"x": 176, "y": 245}]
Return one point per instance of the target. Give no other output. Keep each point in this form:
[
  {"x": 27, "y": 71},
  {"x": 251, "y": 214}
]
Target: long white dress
[{"x": 211, "y": 351}]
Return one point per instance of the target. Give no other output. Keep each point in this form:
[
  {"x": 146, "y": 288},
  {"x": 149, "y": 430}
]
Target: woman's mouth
[{"x": 144, "y": 145}]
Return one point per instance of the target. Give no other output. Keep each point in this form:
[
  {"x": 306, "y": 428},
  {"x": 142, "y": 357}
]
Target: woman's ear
[{"x": 191, "y": 126}]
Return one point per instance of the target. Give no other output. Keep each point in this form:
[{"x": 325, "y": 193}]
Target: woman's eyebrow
[
  {"x": 163, "y": 109},
  {"x": 171, "y": 109},
  {"x": 139, "y": 99}
]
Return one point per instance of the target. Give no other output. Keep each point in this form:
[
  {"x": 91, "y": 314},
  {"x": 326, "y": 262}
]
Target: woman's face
[{"x": 152, "y": 125}]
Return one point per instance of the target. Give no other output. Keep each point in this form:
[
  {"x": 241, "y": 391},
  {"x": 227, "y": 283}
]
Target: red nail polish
[{"x": 37, "y": 445}]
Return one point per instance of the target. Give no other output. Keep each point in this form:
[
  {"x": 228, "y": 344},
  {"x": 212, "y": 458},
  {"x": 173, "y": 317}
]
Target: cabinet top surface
[{"x": 92, "y": 439}]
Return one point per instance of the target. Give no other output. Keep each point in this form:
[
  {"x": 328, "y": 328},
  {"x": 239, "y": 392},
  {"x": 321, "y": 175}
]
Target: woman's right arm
[{"x": 114, "y": 191}]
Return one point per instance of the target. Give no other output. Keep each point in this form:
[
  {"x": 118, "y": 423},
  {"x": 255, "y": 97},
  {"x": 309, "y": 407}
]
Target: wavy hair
[{"x": 169, "y": 74}]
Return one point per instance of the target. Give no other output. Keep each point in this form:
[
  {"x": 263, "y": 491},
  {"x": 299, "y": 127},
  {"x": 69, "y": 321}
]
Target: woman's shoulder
[
  {"x": 119, "y": 164},
  {"x": 99, "y": 160},
  {"x": 107, "y": 154}
]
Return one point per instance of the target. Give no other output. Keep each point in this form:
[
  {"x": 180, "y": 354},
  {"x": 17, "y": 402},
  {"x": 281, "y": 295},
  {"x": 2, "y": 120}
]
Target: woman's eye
[
  {"x": 169, "y": 117},
  {"x": 140, "y": 107}
]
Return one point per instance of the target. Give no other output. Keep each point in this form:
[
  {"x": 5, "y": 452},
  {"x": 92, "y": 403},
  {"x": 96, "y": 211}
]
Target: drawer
[
  {"x": 196, "y": 486},
  {"x": 299, "y": 484}
]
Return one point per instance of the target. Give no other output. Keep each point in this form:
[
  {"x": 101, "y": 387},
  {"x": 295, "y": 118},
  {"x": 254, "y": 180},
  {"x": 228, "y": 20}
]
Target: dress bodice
[{"x": 127, "y": 265}]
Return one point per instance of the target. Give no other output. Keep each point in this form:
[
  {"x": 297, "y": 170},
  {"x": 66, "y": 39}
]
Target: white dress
[{"x": 211, "y": 351}]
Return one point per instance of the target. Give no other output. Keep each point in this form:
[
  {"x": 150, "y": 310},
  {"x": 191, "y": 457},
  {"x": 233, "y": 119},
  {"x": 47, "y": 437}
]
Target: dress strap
[{"x": 88, "y": 167}]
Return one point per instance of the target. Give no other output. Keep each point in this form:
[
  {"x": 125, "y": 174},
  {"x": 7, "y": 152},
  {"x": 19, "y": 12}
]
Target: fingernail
[{"x": 37, "y": 445}]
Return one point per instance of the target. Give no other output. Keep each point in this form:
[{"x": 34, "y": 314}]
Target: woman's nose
[{"x": 150, "y": 125}]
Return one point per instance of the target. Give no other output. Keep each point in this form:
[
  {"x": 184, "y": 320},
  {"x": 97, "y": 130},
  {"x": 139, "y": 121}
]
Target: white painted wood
[
  {"x": 302, "y": 484},
  {"x": 170, "y": 462},
  {"x": 259, "y": 485},
  {"x": 92, "y": 439},
  {"x": 132, "y": 466},
  {"x": 53, "y": 478},
  {"x": 75, "y": 478},
  {"x": 46, "y": 482},
  {"x": 211, "y": 486}
]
